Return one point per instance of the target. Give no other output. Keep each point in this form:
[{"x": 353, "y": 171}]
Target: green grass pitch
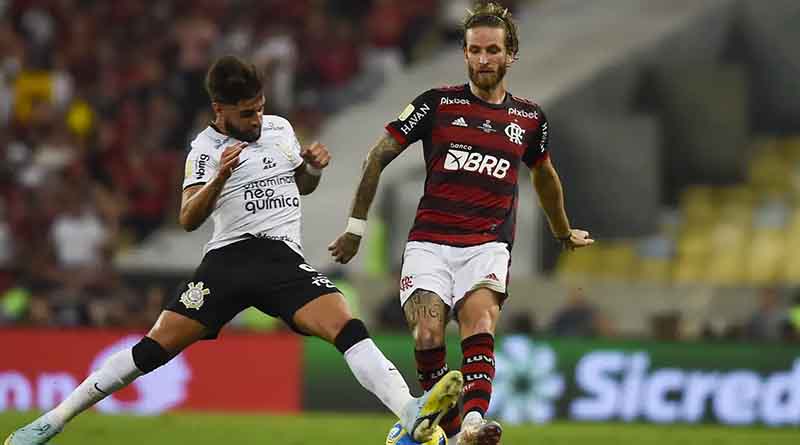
[{"x": 348, "y": 429}]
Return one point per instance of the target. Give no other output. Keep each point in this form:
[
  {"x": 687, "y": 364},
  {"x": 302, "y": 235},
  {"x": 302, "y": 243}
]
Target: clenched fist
[{"x": 316, "y": 155}]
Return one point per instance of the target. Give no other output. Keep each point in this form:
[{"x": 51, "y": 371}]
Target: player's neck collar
[
  {"x": 503, "y": 104},
  {"x": 215, "y": 128}
]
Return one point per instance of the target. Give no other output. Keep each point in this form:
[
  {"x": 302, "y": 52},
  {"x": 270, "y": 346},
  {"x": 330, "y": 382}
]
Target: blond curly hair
[{"x": 493, "y": 15}]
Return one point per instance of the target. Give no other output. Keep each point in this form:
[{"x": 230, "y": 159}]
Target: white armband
[{"x": 356, "y": 226}]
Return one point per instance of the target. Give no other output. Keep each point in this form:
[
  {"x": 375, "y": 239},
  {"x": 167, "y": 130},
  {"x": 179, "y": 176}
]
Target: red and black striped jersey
[{"x": 472, "y": 153}]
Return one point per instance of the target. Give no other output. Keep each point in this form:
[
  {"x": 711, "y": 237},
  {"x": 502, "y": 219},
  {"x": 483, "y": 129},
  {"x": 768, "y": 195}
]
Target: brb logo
[{"x": 475, "y": 162}]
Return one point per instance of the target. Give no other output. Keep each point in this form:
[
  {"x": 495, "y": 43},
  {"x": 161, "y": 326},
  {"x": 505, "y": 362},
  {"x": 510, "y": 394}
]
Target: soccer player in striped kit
[{"x": 474, "y": 138}]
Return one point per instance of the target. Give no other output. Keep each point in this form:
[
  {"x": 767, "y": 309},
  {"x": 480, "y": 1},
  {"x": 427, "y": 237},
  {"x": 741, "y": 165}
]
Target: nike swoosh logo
[
  {"x": 40, "y": 430},
  {"x": 100, "y": 390}
]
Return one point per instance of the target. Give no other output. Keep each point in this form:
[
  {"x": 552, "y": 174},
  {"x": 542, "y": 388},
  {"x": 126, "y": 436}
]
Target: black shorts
[{"x": 266, "y": 274}]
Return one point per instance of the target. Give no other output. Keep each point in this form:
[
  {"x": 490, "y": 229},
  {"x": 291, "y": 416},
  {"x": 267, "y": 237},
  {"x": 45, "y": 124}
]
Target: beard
[
  {"x": 487, "y": 81},
  {"x": 245, "y": 136}
]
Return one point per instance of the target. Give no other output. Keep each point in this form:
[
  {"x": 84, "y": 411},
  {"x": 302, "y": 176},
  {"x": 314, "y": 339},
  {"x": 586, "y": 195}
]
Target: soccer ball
[{"x": 399, "y": 436}]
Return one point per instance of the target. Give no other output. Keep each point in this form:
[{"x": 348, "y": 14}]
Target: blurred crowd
[{"x": 98, "y": 100}]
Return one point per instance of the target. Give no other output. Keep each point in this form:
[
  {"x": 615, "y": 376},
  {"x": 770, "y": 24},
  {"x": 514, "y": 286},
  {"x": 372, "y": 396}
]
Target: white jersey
[{"x": 260, "y": 198}]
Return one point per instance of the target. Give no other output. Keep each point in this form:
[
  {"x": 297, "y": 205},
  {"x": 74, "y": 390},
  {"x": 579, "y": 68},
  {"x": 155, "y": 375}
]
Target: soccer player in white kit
[
  {"x": 475, "y": 137},
  {"x": 247, "y": 172}
]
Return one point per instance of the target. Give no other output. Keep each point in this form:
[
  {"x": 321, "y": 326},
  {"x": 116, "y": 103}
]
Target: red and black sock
[
  {"x": 478, "y": 369},
  {"x": 431, "y": 367}
]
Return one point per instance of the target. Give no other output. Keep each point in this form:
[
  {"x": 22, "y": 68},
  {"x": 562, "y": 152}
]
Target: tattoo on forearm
[
  {"x": 424, "y": 304},
  {"x": 386, "y": 150},
  {"x": 378, "y": 158}
]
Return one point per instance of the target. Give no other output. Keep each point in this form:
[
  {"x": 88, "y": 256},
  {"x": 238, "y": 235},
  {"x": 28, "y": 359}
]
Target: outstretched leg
[
  {"x": 171, "y": 334},
  {"x": 329, "y": 318},
  {"x": 478, "y": 313}
]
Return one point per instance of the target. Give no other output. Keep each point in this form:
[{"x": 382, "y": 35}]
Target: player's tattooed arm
[
  {"x": 383, "y": 153},
  {"x": 345, "y": 247},
  {"x": 426, "y": 308}
]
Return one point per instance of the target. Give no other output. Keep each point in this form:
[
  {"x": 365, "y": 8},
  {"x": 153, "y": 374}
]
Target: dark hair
[
  {"x": 494, "y": 16},
  {"x": 230, "y": 80}
]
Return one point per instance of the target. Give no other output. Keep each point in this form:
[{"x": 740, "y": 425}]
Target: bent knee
[
  {"x": 428, "y": 335},
  {"x": 483, "y": 320}
]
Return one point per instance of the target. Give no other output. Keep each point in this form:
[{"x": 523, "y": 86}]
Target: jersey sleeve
[
  {"x": 289, "y": 144},
  {"x": 416, "y": 120},
  {"x": 538, "y": 145},
  {"x": 201, "y": 166},
  {"x": 294, "y": 146}
]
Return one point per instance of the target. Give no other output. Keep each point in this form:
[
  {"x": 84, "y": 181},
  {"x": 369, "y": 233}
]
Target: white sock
[
  {"x": 116, "y": 373},
  {"x": 378, "y": 375},
  {"x": 471, "y": 417}
]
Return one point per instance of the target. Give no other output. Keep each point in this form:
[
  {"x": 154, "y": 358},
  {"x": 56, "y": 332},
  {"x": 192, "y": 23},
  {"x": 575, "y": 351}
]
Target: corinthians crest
[{"x": 193, "y": 297}]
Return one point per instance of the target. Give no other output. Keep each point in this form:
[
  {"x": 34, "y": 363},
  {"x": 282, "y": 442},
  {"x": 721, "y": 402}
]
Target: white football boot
[
  {"x": 422, "y": 415},
  {"x": 38, "y": 432}
]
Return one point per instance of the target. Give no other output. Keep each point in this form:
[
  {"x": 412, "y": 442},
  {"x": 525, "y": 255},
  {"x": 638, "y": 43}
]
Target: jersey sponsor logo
[
  {"x": 414, "y": 119},
  {"x": 515, "y": 133},
  {"x": 460, "y": 122},
  {"x": 522, "y": 113},
  {"x": 268, "y": 162},
  {"x": 543, "y": 143},
  {"x": 264, "y": 199},
  {"x": 476, "y": 162},
  {"x": 258, "y": 195},
  {"x": 271, "y": 182},
  {"x": 200, "y": 166},
  {"x": 194, "y": 296},
  {"x": 267, "y": 236},
  {"x": 458, "y": 146},
  {"x": 453, "y": 101},
  {"x": 272, "y": 127},
  {"x": 486, "y": 126}
]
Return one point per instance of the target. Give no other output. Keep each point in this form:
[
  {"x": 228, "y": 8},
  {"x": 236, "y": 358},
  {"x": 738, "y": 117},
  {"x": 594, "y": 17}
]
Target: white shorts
[{"x": 451, "y": 272}]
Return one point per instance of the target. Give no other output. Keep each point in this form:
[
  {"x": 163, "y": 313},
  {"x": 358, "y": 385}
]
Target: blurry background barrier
[
  {"x": 537, "y": 380},
  {"x": 44, "y": 366},
  {"x": 599, "y": 380}
]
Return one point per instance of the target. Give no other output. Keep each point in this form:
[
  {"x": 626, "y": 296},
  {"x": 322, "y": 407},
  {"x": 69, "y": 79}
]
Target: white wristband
[
  {"x": 356, "y": 226},
  {"x": 313, "y": 171}
]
